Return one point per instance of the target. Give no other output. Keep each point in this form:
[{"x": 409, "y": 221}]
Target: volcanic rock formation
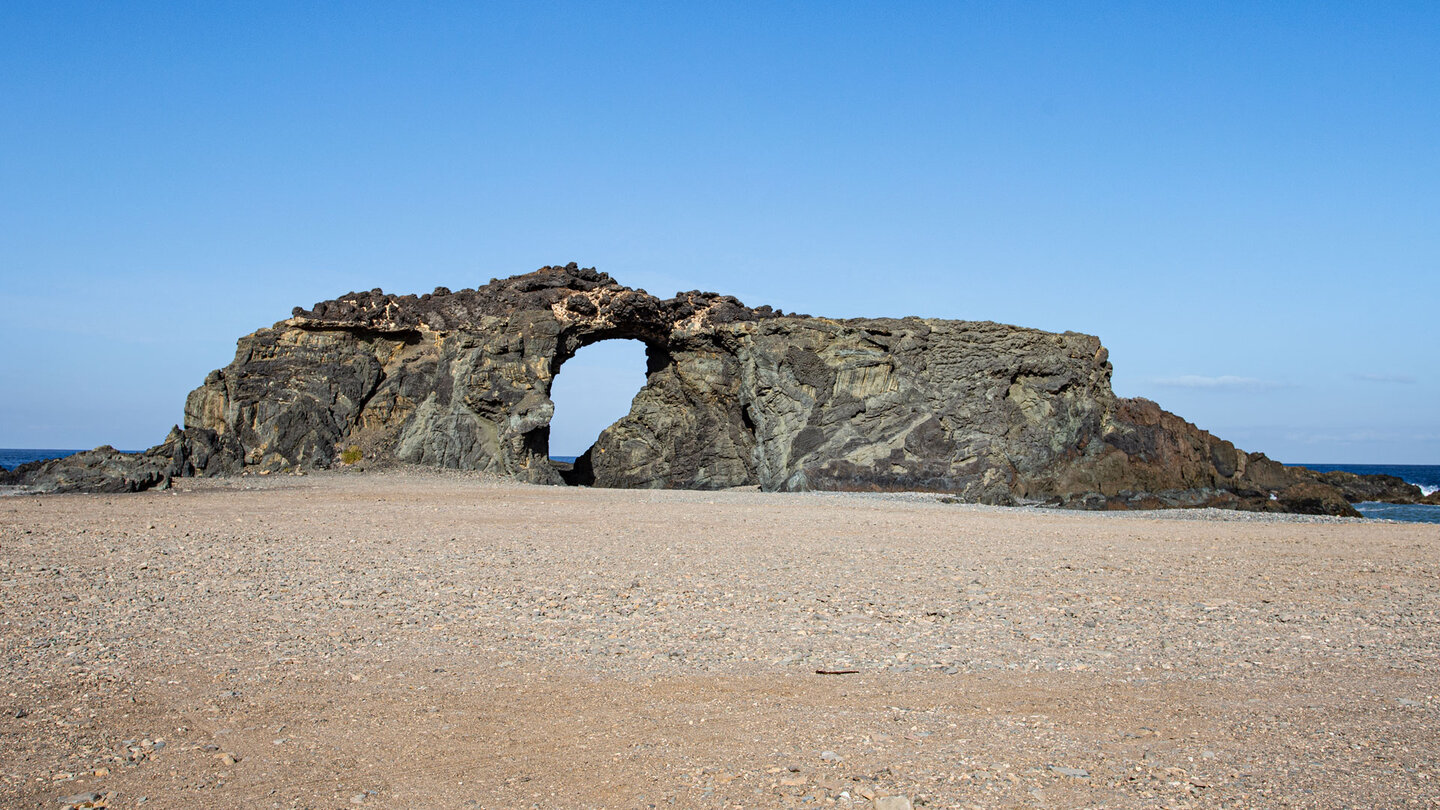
[{"x": 734, "y": 396}]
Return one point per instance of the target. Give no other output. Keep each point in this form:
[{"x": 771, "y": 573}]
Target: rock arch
[
  {"x": 734, "y": 396},
  {"x": 591, "y": 391}
]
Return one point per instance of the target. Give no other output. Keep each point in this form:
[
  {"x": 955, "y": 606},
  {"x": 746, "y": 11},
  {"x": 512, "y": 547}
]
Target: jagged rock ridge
[{"x": 734, "y": 396}]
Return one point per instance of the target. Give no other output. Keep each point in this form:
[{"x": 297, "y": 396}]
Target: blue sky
[{"x": 1242, "y": 200}]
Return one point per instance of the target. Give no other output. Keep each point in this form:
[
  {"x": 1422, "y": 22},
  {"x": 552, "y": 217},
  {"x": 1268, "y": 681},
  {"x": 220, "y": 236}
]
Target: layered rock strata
[{"x": 734, "y": 396}]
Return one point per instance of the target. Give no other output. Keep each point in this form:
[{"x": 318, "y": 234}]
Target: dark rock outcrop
[
  {"x": 734, "y": 396},
  {"x": 188, "y": 452},
  {"x": 103, "y": 469},
  {"x": 1357, "y": 488}
]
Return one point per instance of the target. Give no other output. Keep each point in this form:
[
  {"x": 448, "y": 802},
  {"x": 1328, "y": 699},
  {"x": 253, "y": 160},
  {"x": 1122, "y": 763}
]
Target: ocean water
[
  {"x": 10, "y": 458},
  {"x": 1425, "y": 476}
]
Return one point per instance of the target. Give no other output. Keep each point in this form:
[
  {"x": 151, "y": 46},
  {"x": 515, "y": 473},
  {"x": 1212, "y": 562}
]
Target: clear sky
[{"x": 1241, "y": 199}]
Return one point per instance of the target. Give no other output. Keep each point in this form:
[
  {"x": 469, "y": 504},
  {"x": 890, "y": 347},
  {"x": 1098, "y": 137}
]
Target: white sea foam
[{"x": 1426, "y": 490}]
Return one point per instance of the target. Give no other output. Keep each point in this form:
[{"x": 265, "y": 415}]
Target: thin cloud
[
  {"x": 1370, "y": 376},
  {"x": 1359, "y": 436},
  {"x": 1221, "y": 383}
]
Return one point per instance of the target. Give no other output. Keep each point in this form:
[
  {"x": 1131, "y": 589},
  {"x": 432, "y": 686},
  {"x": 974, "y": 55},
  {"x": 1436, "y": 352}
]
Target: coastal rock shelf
[{"x": 734, "y": 396}]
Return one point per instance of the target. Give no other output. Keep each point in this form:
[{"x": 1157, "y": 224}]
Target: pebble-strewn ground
[{"x": 412, "y": 639}]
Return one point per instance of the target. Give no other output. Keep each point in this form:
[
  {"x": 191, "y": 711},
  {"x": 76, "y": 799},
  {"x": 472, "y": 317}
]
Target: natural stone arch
[
  {"x": 734, "y": 396},
  {"x": 592, "y": 390}
]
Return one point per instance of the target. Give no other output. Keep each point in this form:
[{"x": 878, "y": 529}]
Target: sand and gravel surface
[{"x": 407, "y": 639}]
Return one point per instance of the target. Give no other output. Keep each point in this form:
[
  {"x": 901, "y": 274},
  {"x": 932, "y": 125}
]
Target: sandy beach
[{"x": 421, "y": 639}]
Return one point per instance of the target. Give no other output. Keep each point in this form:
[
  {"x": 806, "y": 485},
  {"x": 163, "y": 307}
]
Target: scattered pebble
[
  {"x": 508, "y": 642},
  {"x": 1078, "y": 773}
]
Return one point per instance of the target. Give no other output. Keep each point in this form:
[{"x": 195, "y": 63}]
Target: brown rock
[{"x": 734, "y": 396}]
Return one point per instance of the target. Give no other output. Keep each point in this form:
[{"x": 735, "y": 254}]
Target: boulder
[{"x": 1314, "y": 498}]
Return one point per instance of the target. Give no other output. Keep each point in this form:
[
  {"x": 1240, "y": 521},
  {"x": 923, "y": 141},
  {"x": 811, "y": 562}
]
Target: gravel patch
[{"x": 406, "y": 638}]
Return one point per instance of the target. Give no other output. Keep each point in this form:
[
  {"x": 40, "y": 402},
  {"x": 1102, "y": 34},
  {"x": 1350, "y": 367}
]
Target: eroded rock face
[
  {"x": 1386, "y": 488},
  {"x": 734, "y": 396},
  {"x": 463, "y": 379},
  {"x": 189, "y": 452}
]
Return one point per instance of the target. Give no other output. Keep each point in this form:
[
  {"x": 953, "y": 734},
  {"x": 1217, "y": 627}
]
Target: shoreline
[{"x": 259, "y": 481}]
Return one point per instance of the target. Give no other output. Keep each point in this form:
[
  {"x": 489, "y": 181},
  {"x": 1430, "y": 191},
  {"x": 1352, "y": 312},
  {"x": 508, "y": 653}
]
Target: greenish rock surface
[{"x": 734, "y": 396}]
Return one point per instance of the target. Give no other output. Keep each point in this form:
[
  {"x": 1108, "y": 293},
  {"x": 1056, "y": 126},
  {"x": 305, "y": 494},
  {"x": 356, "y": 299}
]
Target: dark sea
[
  {"x": 11, "y": 458},
  {"x": 1425, "y": 476}
]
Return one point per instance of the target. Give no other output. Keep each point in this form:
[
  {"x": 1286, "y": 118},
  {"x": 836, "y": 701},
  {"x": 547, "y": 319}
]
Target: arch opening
[{"x": 592, "y": 390}]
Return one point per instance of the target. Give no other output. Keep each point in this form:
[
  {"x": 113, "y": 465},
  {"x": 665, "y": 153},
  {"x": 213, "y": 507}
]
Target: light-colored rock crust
[{"x": 734, "y": 396}]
